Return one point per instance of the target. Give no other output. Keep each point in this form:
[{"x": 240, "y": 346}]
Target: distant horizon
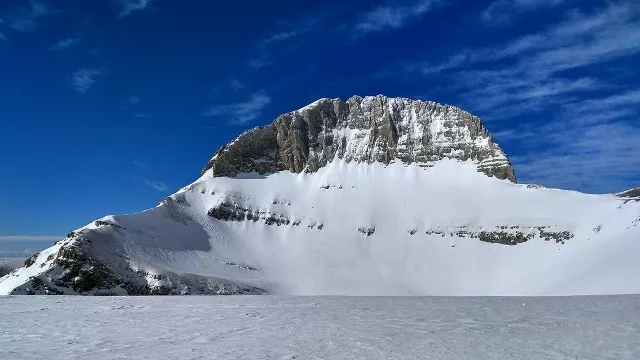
[{"x": 23, "y": 248}]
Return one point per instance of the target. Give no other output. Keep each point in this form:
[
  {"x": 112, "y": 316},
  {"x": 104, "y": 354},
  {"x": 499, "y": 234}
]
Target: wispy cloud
[
  {"x": 390, "y": 17},
  {"x": 532, "y": 69},
  {"x": 133, "y": 100},
  {"x": 159, "y": 186},
  {"x": 259, "y": 61},
  {"x": 265, "y": 48},
  {"x": 502, "y": 11},
  {"x": 141, "y": 115},
  {"x": 573, "y": 144},
  {"x": 64, "y": 44},
  {"x": 26, "y": 18},
  {"x": 139, "y": 164},
  {"x": 236, "y": 85},
  {"x": 83, "y": 79},
  {"x": 242, "y": 112},
  {"x": 279, "y": 36},
  {"x": 598, "y": 159},
  {"x": 131, "y": 6},
  {"x": 30, "y": 238}
]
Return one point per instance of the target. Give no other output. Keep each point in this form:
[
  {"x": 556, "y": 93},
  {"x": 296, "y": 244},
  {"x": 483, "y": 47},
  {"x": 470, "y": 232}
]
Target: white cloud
[
  {"x": 160, "y": 186},
  {"x": 533, "y": 68},
  {"x": 586, "y": 139},
  {"x": 30, "y": 238},
  {"x": 83, "y": 79},
  {"x": 259, "y": 62},
  {"x": 131, "y": 6},
  {"x": 242, "y": 112},
  {"x": 390, "y": 17},
  {"x": 141, "y": 115},
  {"x": 615, "y": 103},
  {"x": 236, "y": 85},
  {"x": 279, "y": 36},
  {"x": 27, "y": 18},
  {"x": 65, "y": 44},
  {"x": 452, "y": 62},
  {"x": 288, "y": 31},
  {"x": 602, "y": 158},
  {"x": 139, "y": 164},
  {"x": 133, "y": 100},
  {"x": 581, "y": 39},
  {"x": 503, "y": 10}
]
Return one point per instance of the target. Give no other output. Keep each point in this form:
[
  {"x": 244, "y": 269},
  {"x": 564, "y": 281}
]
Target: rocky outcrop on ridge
[{"x": 363, "y": 129}]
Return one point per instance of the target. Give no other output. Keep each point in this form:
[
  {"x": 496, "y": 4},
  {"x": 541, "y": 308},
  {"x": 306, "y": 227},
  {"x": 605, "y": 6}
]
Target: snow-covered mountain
[
  {"x": 7, "y": 265},
  {"x": 369, "y": 196}
]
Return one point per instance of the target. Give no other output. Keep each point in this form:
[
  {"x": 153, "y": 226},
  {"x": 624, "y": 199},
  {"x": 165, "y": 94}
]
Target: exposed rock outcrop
[
  {"x": 363, "y": 129},
  {"x": 630, "y": 194}
]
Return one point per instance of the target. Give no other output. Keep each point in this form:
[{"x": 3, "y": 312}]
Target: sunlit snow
[
  {"x": 266, "y": 327},
  {"x": 413, "y": 215}
]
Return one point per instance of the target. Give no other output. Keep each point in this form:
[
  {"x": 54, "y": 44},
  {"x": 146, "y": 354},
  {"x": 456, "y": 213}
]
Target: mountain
[
  {"x": 372, "y": 196},
  {"x": 7, "y": 265}
]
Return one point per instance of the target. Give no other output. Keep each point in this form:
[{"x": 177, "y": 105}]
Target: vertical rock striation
[{"x": 363, "y": 129}]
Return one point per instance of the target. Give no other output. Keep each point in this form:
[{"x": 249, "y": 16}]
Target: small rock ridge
[{"x": 363, "y": 129}]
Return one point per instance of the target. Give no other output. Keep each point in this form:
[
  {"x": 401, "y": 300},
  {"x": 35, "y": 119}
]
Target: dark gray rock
[
  {"x": 369, "y": 129},
  {"x": 630, "y": 194}
]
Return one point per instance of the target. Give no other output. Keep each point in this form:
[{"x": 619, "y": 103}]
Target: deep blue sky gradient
[{"x": 108, "y": 106}]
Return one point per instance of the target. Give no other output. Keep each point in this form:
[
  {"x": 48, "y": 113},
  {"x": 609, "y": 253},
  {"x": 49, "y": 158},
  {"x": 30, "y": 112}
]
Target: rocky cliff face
[{"x": 363, "y": 129}]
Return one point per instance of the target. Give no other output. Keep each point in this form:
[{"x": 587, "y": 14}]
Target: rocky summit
[
  {"x": 363, "y": 129},
  {"x": 372, "y": 196}
]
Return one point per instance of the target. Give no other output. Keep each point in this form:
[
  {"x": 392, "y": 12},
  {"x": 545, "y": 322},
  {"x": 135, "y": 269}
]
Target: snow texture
[
  {"x": 266, "y": 327},
  {"x": 353, "y": 229}
]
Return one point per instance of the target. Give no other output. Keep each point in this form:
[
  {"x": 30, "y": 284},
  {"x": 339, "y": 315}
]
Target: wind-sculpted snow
[
  {"x": 352, "y": 229},
  {"x": 372, "y": 328},
  {"x": 363, "y": 129}
]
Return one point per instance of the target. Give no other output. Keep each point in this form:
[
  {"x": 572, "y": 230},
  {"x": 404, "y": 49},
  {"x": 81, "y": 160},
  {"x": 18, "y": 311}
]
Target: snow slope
[
  {"x": 353, "y": 229},
  {"x": 267, "y": 327}
]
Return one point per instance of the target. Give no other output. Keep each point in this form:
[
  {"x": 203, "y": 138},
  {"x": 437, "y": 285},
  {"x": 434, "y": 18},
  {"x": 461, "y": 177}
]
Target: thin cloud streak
[
  {"x": 242, "y": 112},
  {"x": 503, "y": 11},
  {"x": 586, "y": 138},
  {"x": 131, "y": 6},
  {"x": 27, "y": 18},
  {"x": 64, "y": 44},
  {"x": 30, "y": 238},
  {"x": 388, "y": 17},
  {"x": 159, "y": 186}
]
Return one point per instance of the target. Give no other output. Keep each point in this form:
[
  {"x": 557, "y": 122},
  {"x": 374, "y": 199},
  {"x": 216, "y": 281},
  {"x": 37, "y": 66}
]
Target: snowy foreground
[{"x": 266, "y": 327}]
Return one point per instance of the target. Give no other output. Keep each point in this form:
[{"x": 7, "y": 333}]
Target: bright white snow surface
[
  {"x": 404, "y": 204},
  {"x": 267, "y": 327}
]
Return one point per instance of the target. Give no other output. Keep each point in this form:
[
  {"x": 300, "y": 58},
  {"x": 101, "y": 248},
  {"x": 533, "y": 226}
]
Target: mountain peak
[{"x": 363, "y": 129}]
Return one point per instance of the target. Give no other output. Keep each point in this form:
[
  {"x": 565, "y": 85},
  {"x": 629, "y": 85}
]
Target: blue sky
[{"x": 108, "y": 106}]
